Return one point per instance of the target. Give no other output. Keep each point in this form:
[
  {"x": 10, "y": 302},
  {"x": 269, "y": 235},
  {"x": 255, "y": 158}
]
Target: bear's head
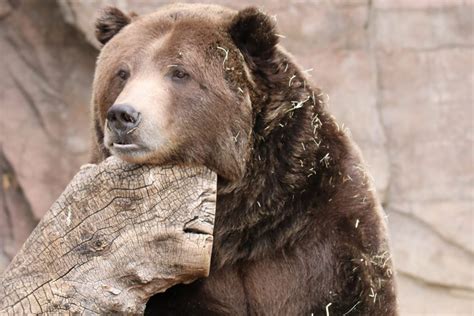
[{"x": 177, "y": 86}]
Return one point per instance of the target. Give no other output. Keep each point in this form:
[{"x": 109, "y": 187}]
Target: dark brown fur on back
[{"x": 298, "y": 227}]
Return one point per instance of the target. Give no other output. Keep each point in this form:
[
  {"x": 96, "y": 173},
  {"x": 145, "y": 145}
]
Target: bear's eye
[
  {"x": 179, "y": 74},
  {"x": 123, "y": 74}
]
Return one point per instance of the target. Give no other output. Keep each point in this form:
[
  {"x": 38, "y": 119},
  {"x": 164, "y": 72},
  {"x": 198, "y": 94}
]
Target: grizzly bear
[{"x": 299, "y": 230}]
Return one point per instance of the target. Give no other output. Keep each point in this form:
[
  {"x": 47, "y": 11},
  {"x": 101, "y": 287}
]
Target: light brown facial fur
[{"x": 152, "y": 138}]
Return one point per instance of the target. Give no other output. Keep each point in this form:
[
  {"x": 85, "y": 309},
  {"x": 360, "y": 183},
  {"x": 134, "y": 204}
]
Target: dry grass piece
[
  {"x": 297, "y": 105},
  {"x": 352, "y": 308},
  {"x": 327, "y": 309},
  {"x": 226, "y": 56},
  {"x": 291, "y": 79}
]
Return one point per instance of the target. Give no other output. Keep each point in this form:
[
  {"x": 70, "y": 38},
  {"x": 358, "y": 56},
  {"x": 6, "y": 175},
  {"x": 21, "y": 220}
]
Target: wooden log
[{"x": 118, "y": 234}]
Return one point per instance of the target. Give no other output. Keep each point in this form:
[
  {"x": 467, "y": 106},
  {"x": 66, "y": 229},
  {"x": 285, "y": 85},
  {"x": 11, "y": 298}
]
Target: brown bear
[{"x": 299, "y": 230}]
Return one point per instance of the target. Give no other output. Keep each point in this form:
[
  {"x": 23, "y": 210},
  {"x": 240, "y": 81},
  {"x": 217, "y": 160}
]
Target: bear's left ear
[
  {"x": 253, "y": 32},
  {"x": 109, "y": 23}
]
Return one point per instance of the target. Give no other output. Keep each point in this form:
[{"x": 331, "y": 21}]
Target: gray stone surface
[
  {"x": 424, "y": 57},
  {"x": 398, "y": 73},
  {"x": 45, "y": 88}
]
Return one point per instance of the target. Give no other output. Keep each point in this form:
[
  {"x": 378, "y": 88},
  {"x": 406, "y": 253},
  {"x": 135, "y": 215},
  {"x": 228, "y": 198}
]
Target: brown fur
[{"x": 298, "y": 225}]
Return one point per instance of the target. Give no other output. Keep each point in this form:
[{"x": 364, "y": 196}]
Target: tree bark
[{"x": 118, "y": 234}]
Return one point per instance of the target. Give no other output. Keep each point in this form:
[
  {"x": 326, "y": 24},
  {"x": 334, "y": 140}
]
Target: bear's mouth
[
  {"x": 126, "y": 147},
  {"x": 120, "y": 145}
]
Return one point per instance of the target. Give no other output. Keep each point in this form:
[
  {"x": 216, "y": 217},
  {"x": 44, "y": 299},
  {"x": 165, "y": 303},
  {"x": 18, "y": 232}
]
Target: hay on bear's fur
[
  {"x": 226, "y": 56},
  {"x": 291, "y": 79},
  {"x": 297, "y": 104},
  {"x": 352, "y": 308},
  {"x": 327, "y": 309}
]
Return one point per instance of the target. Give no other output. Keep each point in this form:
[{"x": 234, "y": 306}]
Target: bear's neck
[{"x": 294, "y": 149}]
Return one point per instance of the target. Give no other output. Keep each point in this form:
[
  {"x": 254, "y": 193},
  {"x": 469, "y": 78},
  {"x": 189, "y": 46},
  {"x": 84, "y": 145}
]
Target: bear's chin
[
  {"x": 143, "y": 156},
  {"x": 133, "y": 154}
]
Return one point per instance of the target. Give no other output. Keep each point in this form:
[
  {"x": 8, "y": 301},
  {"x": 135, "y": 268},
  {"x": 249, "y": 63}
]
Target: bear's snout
[{"x": 123, "y": 118}]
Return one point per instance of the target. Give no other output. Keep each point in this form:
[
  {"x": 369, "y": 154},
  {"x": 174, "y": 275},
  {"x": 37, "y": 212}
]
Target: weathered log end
[{"x": 118, "y": 234}]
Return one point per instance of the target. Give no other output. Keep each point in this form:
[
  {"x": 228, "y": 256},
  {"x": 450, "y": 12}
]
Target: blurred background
[{"x": 399, "y": 74}]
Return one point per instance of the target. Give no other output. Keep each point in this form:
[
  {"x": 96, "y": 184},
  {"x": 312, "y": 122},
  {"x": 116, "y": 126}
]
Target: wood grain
[{"x": 118, "y": 234}]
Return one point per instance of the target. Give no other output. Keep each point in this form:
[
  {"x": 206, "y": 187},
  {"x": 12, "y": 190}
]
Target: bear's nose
[{"x": 122, "y": 118}]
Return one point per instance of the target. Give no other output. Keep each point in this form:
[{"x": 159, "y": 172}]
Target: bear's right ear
[
  {"x": 253, "y": 32},
  {"x": 109, "y": 23}
]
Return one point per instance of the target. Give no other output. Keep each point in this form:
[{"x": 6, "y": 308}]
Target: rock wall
[{"x": 399, "y": 74}]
